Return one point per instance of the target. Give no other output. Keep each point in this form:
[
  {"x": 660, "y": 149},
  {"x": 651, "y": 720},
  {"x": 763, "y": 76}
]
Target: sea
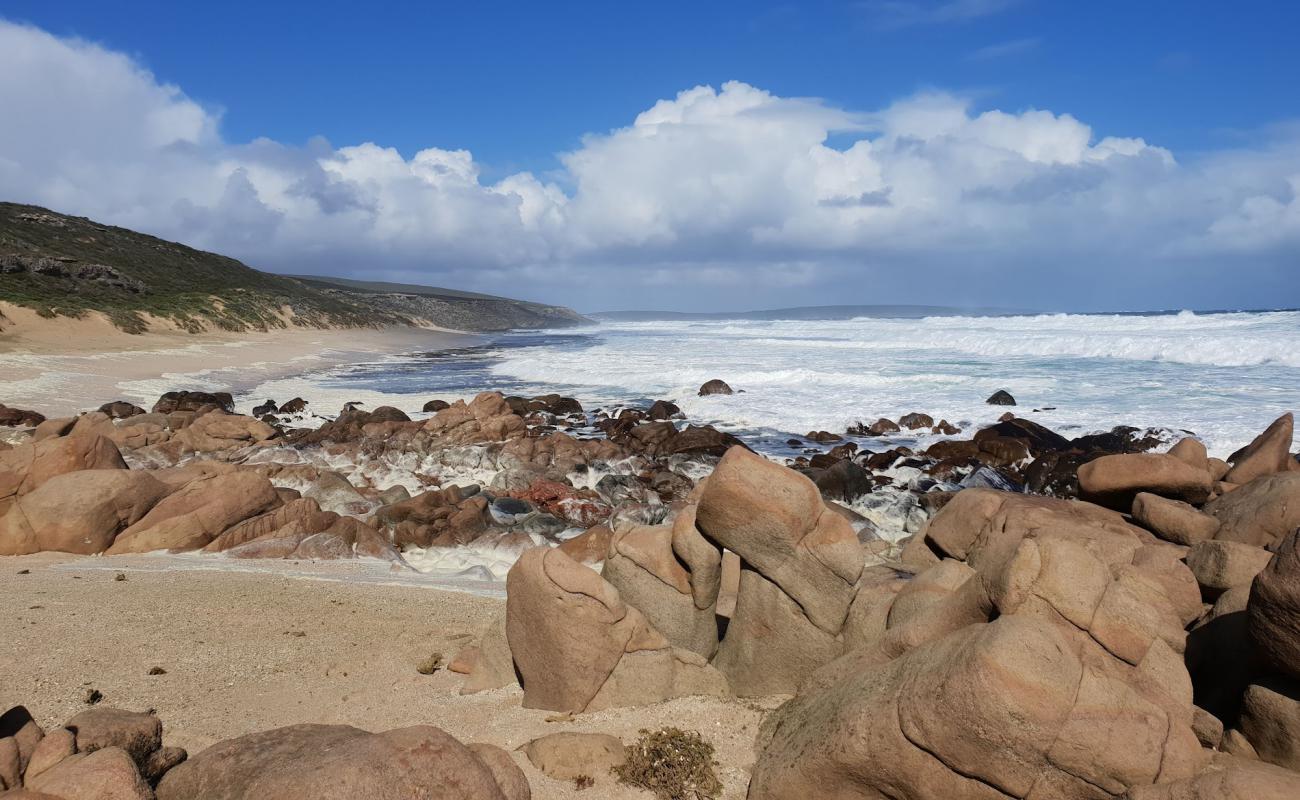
[{"x": 1219, "y": 376}]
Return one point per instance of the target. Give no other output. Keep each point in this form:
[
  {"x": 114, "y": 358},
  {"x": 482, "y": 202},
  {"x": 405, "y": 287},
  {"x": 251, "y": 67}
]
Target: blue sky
[{"x": 542, "y": 90}]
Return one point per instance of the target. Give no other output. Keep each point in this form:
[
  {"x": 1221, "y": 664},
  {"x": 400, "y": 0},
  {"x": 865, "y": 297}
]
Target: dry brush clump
[{"x": 672, "y": 764}]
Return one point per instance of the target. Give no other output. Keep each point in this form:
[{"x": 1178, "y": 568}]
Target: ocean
[{"x": 1221, "y": 376}]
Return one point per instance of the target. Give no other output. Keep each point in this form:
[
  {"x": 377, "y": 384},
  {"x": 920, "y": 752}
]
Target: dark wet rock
[
  {"x": 19, "y": 418},
  {"x": 120, "y": 409},
  {"x": 388, "y": 414},
  {"x": 882, "y": 427},
  {"x": 843, "y": 480},
  {"x": 823, "y": 437},
  {"x": 715, "y": 386},
  {"x": 269, "y": 407},
  {"x": 1001, "y": 398},
  {"x": 435, "y": 405},
  {"x": 295, "y": 406},
  {"x": 916, "y": 421},
  {"x": 945, "y": 428},
  {"x": 1036, "y": 438},
  {"x": 198, "y": 402},
  {"x": 663, "y": 409}
]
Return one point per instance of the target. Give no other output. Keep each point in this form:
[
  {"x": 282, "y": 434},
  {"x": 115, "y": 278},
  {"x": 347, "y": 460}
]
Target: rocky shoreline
[{"x": 1112, "y": 615}]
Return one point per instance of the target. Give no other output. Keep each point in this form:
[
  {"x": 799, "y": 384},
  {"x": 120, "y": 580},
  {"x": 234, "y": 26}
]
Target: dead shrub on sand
[{"x": 672, "y": 764}]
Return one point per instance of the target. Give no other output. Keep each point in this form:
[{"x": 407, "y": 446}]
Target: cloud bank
[{"x": 717, "y": 198}]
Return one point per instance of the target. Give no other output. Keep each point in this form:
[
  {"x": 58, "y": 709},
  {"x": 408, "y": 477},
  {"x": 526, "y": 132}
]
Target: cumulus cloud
[{"x": 715, "y": 198}]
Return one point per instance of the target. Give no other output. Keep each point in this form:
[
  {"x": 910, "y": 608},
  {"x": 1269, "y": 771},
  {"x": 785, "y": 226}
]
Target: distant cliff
[{"x": 61, "y": 265}]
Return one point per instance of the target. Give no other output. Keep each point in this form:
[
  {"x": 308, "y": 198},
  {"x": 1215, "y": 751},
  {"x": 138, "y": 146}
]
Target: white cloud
[{"x": 714, "y": 198}]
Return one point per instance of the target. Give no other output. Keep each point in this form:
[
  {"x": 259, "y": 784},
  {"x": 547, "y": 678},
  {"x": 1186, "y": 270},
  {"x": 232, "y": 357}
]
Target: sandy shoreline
[
  {"x": 247, "y": 651},
  {"x": 62, "y": 367}
]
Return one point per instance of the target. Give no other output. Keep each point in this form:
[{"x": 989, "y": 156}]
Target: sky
[{"x": 690, "y": 156}]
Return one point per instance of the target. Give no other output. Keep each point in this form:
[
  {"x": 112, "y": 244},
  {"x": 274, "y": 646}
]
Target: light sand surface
[
  {"x": 246, "y": 651},
  {"x": 64, "y": 366}
]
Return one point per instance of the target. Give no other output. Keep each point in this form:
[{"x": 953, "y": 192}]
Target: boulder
[
  {"x": 1193, "y": 452},
  {"x": 916, "y": 421},
  {"x": 24, "y": 733},
  {"x": 715, "y": 386},
  {"x": 493, "y": 666},
  {"x": 334, "y": 762},
  {"x": 216, "y": 431},
  {"x": 663, "y": 409},
  {"x": 1173, "y": 520},
  {"x": 198, "y": 402},
  {"x": 487, "y": 418},
  {"x": 1115, "y": 480},
  {"x": 578, "y": 647},
  {"x": 569, "y": 755},
  {"x": 1270, "y": 721},
  {"x": 435, "y": 405},
  {"x": 1269, "y": 453},
  {"x": 79, "y": 512},
  {"x": 1274, "y": 610},
  {"x": 650, "y": 577},
  {"x": 137, "y": 733},
  {"x": 19, "y": 418},
  {"x": 1053, "y": 721},
  {"x": 843, "y": 480},
  {"x": 775, "y": 520},
  {"x": 590, "y": 546},
  {"x": 106, "y": 774},
  {"x": 509, "y": 777},
  {"x": 120, "y": 409},
  {"x": 53, "y": 428},
  {"x": 50, "y": 750},
  {"x": 882, "y": 427},
  {"x": 1261, "y": 513},
  {"x": 27, "y": 466},
  {"x": 1220, "y": 566},
  {"x": 196, "y": 514},
  {"x": 1001, "y": 398}
]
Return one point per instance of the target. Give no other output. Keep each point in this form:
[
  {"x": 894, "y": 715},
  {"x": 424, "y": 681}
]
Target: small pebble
[
  {"x": 157, "y": 671},
  {"x": 121, "y": 576},
  {"x": 92, "y": 697},
  {"x": 431, "y": 664}
]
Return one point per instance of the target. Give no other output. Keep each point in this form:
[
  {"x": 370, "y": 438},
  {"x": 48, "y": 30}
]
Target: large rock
[
  {"x": 648, "y": 575},
  {"x": 137, "y": 733},
  {"x": 775, "y": 520},
  {"x": 578, "y": 647},
  {"x": 1173, "y": 520},
  {"x": 216, "y": 431},
  {"x": 1114, "y": 480},
  {"x": 197, "y": 513},
  {"x": 715, "y": 386},
  {"x": 27, "y": 466},
  {"x": 1220, "y": 566},
  {"x": 1053, "y": 720},
  {"x": 1274, "y": 610},
  {"x": 1266, "y": 455},
  {"x": 488, "y": 418},
  {"x": 17, "y": 726},
  {"x": 79, "y": 512},
  {"x": 334, "y": 762},
  {"x": 1260, "y": 513},
  {"x": 493, "y": 665},
  {"x": 1270, "y": 721},
  {"x": 198, "y": 402},
  {"x": 107, "y": 774}
]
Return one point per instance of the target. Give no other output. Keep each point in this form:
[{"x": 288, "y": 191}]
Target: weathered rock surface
[
  {"x": 79, "y": 512},
  {"x": 578, "y": 647},
  {"x": 334, "y": 762}
]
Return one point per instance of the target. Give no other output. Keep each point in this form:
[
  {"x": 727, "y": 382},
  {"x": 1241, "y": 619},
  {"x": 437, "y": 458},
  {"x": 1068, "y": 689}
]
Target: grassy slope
[{"x": 200, "y": 290}]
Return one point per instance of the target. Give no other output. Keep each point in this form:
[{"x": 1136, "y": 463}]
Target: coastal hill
[{"x": 65, "y": 266}]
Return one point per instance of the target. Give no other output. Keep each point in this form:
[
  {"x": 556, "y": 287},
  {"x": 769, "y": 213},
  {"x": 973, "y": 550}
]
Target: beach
[
  {"x": 249, "y": 651},
  {"x": 64, "y": 366}
]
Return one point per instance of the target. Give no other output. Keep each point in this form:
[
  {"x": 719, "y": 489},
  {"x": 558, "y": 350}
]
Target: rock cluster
[
  {"x": 1150, "y": 651},
  {"x": 110, "y": 754}
]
